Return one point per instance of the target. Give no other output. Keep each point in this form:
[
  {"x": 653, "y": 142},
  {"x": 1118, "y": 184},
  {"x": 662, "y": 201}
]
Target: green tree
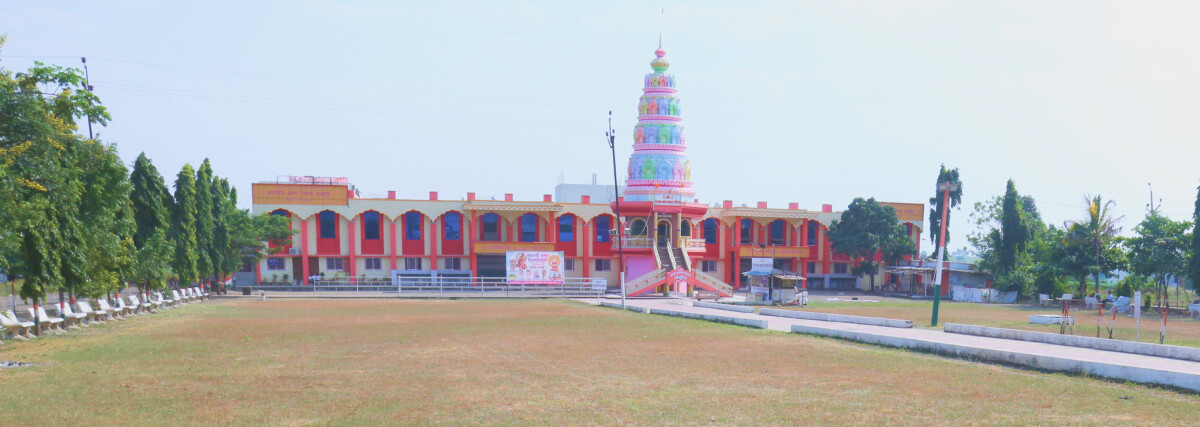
[
  {"x": 867, "y": 229},
  {"x": 1097, "y": 233},
  {"x": 1159, "y": 249},
  {"x": 205, "y": 223},
  {"x": 936, "y": 202},
  {"x": 151, "y": 200},
  {"x": 151, "y": 203},
  {"x": 1013, "y": 230},
  {"x": 106, "y": 219},
  {"x": 183, "y": 227},
  {"x": 1194, "y": 255},
  {"x": 41, "y": 188}
]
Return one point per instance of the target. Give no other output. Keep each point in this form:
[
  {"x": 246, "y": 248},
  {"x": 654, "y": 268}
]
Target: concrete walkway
[{"x": 1123, "y": 366}]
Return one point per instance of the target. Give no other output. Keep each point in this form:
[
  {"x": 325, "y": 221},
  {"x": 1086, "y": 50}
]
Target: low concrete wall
[
  {"x": 753, "y": 323},
  {"x": 1128, "y": 373},
  {"x": 828, "y": 317},
  {"x": 1148, "y": 349},
  {"x": 727, "y": 307},
  {"x": 627, "y": 306}
]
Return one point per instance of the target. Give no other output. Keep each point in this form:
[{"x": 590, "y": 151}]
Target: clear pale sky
[{"x": 809, "y": 102}]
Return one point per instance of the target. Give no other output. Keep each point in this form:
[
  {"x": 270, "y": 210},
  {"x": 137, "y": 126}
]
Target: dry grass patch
[{"x": 302, "y": 362}]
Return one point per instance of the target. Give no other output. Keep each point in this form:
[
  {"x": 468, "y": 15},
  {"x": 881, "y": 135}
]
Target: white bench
[
  {"x": 162, "y": 301},
  {"x": 94, "y": 316},
  {"x": 16, "y": 328},
  {"x": 1193, "y": 310},
  {"x": 1090, "y": 302},
  {"x": 139, "y": 305},
  {"x": 71, "y": 319},
  {"x": 45, "y": 322},
  {"x": 117, "y": 313},
  {"x": 127, "y": 310},
  {"x": 1043, "y": 299}
]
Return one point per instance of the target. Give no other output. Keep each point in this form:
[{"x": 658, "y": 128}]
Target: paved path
[{"x": 1134, "y": 367}]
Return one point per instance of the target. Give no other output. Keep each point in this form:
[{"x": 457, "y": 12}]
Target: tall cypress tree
[
  {"x": 183, "y": 227},
  {"x": 223, "y": 258},
  {"x": 150, "y": 209},
  {"x": 1194, "y": 259},
  {"x": 205, "y": 263},
  {"x": 151, "y": 204},
  {"x": 1013, "y": 234}
]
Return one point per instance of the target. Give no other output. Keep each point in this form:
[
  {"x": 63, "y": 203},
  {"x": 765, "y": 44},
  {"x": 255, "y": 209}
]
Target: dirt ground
[{"x": 546, "y": 362}]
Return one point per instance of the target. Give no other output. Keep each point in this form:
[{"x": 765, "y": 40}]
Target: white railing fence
[{"x": 470, "y": 287}]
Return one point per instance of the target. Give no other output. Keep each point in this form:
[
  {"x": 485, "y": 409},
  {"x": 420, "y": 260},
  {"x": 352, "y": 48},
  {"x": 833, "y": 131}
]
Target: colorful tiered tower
[
  {"x": 659, "y": 168},
  {"x": 659, "y": 209}
]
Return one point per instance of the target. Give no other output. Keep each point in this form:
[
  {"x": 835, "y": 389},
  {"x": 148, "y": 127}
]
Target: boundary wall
[
  {"x": 753, "y": 323},
  {"x": 726, "y": 307},
  {"x": 1146, "y": 349},
  {"x": 842, "y": 318},
  {"x": 1053, "y": 363}
]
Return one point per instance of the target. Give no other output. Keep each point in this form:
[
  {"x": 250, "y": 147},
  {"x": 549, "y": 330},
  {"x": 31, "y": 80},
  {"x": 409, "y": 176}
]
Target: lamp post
[
  {"x": 612, "y": 145},
  {"x": 945, "y": 187}
]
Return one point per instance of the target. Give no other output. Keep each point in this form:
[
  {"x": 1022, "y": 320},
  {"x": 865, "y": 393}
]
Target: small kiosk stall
[{"x": 774, "y": 285}]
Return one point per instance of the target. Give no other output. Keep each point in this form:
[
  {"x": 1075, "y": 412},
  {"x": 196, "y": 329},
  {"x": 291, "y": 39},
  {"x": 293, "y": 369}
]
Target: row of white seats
[{"x": 84, "y": 314}]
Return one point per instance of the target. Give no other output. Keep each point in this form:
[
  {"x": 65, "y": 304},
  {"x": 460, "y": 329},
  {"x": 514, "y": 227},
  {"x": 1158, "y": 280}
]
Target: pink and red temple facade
[{"x": 665, "y": 231}]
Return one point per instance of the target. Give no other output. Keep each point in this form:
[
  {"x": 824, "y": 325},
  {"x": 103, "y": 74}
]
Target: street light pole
[
  {"x": 612, "y": 145},
  {"x": 945, "y": 188}
]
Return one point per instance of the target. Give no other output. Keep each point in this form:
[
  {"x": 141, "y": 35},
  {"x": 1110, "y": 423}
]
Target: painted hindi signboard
[
  {"x": 762, "y": 265},
  {"x": 534, "y": 267}
]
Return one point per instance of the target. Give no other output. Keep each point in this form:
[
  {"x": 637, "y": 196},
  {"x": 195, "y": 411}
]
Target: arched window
[
  {"x": 452, "y": 226},
  {"x": 778, "y": 237},
  {"x": 529, "y": 223},
  {"x": 566, "y": 228},
  {"x": 603, "y": 225},
  {"x": 490, "y": 230},
  {"x": 710, "y": 231},
  {"x": 685, "y": 229},
  {"x": 328, "y": 224},
  {"x": 281, "y": 212},
  {"x": 747, "y": 231},
  {"x": 370, "y": 225},
  {"x": 412, "y": 226},
  {"x": 637, "y": 228}
]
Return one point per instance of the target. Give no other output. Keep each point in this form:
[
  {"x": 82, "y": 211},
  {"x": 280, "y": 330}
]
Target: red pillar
[
  {"x": 828, "y": 249},
  {"x": 587, "y": 246},
  {"x": 392, "y": 244},
  {"x": 737, "y": 255},
  {"x": 552, "y": 229},
  {"x": 304, "y": 249},
  {"x": 350, "y": 239},
  {"x": 471, "y": 246},
  {"x": 433, "y": 245}
]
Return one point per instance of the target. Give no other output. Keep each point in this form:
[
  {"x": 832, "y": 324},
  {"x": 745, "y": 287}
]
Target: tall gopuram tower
[{"x": 659, "y": 209}]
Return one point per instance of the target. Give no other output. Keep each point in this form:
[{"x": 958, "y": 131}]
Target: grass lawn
[
  {"x": 1180, "y": 330},
  {"x": 545, "y": 362}
]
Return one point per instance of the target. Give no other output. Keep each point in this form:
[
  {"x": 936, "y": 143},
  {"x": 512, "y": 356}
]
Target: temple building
[{"x": 671, "y": 241}]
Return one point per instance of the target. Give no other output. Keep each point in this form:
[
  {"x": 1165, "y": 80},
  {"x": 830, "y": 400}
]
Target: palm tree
[{"x": 1096, "y": 231}]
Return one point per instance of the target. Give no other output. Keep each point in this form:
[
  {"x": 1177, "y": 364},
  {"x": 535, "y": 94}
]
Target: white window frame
[
  {"x": 409, "y": 263},
  {"x": 341, "y": 264},
  {"x": 367, "y": 264}
]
